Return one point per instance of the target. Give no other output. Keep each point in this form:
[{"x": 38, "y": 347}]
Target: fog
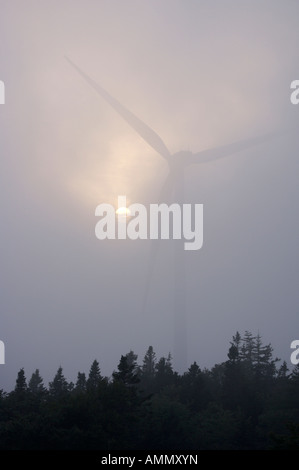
[{"x": 201, "y": 74}]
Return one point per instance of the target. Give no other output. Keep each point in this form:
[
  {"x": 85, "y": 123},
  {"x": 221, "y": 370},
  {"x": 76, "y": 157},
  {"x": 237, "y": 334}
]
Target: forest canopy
[{"x": 248, "y": 401}]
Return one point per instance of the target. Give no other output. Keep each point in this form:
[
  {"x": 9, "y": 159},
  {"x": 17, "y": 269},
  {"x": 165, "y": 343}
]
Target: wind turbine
[{"x": 174, "y": 183}]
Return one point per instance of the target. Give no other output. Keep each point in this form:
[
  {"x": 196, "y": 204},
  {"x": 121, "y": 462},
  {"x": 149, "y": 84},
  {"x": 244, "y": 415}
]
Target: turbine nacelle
[{"x": 179, "y": 160}]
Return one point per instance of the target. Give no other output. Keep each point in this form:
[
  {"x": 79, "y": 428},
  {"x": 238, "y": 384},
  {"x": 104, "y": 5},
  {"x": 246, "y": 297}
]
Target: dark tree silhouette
[
  {"x": 127, "y": 370},
  {"x": 94, "y": 377},
  {"x": 36, "y": 385},
  {"x": 245, "y": 402},
  {"x": 59, "y": 386},
  {"x": 81, "y": 382},
  {"x": 21, "y": 385}
]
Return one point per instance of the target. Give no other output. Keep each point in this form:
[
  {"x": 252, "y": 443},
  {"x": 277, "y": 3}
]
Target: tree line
[{"x": 245, "y": 402}]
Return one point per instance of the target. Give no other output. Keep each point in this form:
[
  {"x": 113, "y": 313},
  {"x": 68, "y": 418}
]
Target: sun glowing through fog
[{"x": 123, "y": 211}]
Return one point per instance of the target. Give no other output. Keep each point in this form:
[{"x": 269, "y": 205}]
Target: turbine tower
[{"x": 174, "y": 184}]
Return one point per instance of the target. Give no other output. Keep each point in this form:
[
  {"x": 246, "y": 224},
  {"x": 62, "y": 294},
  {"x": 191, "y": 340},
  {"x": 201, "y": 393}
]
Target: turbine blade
[
  {"x": 164, "y": 196},
  {"x": 140, "y": 127},
  {"x": 216, "y": 153}
]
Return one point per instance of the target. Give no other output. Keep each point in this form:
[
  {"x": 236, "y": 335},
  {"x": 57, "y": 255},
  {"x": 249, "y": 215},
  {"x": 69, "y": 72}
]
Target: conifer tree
[
  {"x": 127, "y": 370},
  {"x": 81, "y": 382},
  {"x": 36, "y": 385},
  {"x": 94, "y": 376},
  {"x": 59, "y": 386},
  {"x": 21, "y": 385},
  {"x": 149, "y": 363}
]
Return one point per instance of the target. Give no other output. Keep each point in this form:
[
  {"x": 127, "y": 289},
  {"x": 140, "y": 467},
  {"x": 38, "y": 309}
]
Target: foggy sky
[{"x": 201, "y": 74}]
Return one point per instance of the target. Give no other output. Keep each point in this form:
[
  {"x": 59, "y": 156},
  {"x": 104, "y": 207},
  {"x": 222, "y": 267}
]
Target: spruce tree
[
  {"x": 94, "y": 376},
  {"x": 59, "y": 386},
  {"x": 81, "y": 382},
  {"x": 21, "y": 385},
  {"x": 36, "y": 385},
  {"x": 149, "y": 363},
  {"x": 127, "y": 370},
  {"x": 247, "y": 349}
]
